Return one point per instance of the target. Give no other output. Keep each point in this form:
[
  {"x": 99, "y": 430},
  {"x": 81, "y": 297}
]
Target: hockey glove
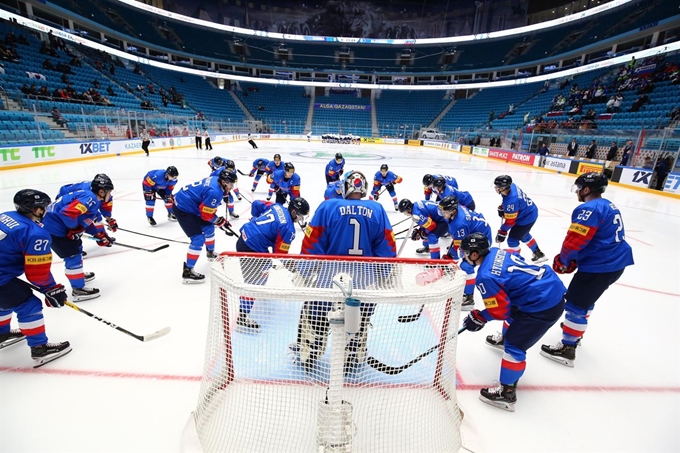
[
  {"x": 474, "y": 321},
  {"x": 113, "y": 225},
  {"x": 149, "y": 196},
  {"x": 75, "y": 233},
  {"x": 55, "y": 297},
  {"x": 501, "y": 211},
  {"x": 169, "y": 198},
  {"x": 419, "y": 233},
  {"x": 104, "y": 240},
  {"x": 220, "y": 222},
  {"x": 251, "y": 174},
  {"x": 500, "y": 236},
  {"x": 340, "y": 172},
  {"x": 376, "y": 196},
  {"x": 560, "y": 268}
]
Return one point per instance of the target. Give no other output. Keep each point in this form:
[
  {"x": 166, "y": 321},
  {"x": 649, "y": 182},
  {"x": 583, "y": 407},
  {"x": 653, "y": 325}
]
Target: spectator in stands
[
  {"x": 25, "y": 89},
  {"x": 185, "y": 132},
  {"x": 575, "y": 110},
  {"x": 110, "y": 91},
  {"x": 627, "y": 151},
  {"x": 543, "y": 151},
  {"x": 590, "y": 115},
  {"x": 663, "y": 167},
  {"x": 492, "y": 115},
  {"x": 613, "y": 151},
  {"x": 592, "y": 149},
  {"x": 639, "y": 102},
  {"x": 572, "y": 148},
  {"x": 511, "y": 109},
  {"x": 526, "y": 117},
  {"x": 47, "y": 64},
  {"x": 58, "y": 117},
  {"x": 617, "y": 102},
  {"x": 610, "y": 104},
  {"x": 137, "y": 70},
  {"x": 46, "y": 49},
  {"x": 75, "y": 61},
  {"x": 599, "y": 95},
  {"x": 648, "y": 164}
]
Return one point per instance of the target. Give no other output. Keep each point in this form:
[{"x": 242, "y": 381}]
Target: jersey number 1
[{"x": 355, "y": 250}]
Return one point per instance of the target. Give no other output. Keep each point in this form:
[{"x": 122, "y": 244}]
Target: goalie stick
[
  {"x": 394, "y": 370},
  {"x": 144, "y": 338}
]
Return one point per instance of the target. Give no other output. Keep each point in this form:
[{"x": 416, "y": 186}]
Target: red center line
[
  {"x": 628, "y": 236},
  {"x": 460, "y": 386},
  {"x": 647, "y": 289}
]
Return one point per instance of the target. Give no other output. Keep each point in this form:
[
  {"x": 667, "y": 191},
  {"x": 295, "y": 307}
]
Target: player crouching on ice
[
  {"x": 346, "y": 226},
  {"x": 529, "y": 298}
]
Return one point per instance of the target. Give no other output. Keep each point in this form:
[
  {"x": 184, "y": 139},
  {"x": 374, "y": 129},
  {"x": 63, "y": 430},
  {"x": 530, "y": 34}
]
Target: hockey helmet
[
  {"x": 384, "y": 167},
  {"x": 260, "y": 162},
  {"x": 354, "y": 182},
  {"x": 218, "y": 161},
  {"x": 475, "y": 242},
  {"x": 427, "y": 179},
  {"x": 502, "y": 182},
  {"x": 300, "y": 206},
  {"x": 277, "y": 157},
  {"x": 101, "y": 182},
  {"x": 596, "y": 182},
  {"x": 171, "y": 172},
  {"x": 405, "y": 206},
  {"x": 338, "y": 156},
  {"x": 26, "y": 200},
  {"x": 439, "y": 184},
  {"x": 227, "y": 176},
  {"x": 229, "y": 164},
  {"x": 448, "y": 207},
  {"x": 289, "y": 167}
]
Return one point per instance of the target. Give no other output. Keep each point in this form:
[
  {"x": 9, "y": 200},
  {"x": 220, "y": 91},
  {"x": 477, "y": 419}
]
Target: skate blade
[
  {"x": 37, "y": 363},
  {"x": 247, "y": 330},
  {"x": 467, "y": 307},
  {"x": 500, "y": 347},
  {"x": 84, "y": 297},
  {"x": 540, "y": 260},
  {"x": 89, "y": 279},
  {"x": 510, "y": 407},
  {"x": 11, "y": 341},
  {"x": 190, "y": 281},
  {"x": 560, "y": 360}
]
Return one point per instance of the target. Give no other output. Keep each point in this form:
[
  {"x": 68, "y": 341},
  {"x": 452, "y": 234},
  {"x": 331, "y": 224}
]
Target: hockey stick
[
  {"x": 152, "y": 336},
  {"x": 155, "y": 237},
  {"x": 164, "y": 246},
  {"x": 244, "y": 174},
  {"x": 411, "y": 318},
  {"x": 394, "y": 370},
  {"x": 401, "y": 221}
]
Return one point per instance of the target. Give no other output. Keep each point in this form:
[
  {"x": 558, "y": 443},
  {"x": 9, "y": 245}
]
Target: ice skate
[
  {"x": 253, "y": 189},
  {"x": 502, "y": 397},
  {"x": 171, "y": 217},
  {"x": 211, "y": 255},
  {"x": 151, "y": 221},
  {"x": 396, "y": 208},
  {"x": 423, "y": 250},
  {"x": 81, "y": 294},
  {"x": 468, "y": 302},
  {"x": 189, "y": 276},
  {"x": 239, "y": 198},
  {"x": 233, "y": 215},
  {"x": 49, "y": 352},
  {"x": 84, "y": 254},
  {"x": 246, "y": 324},
  {"x": 496, "y": 341},
  {"x": 11, "y": 337},
  {"x": 538, "y": 256},
  {"x": 560, "y": 353},
  {"x": 269, "y": 197}
]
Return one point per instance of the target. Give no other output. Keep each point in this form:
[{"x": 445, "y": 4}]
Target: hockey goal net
[{"x": 337, "y": 354}]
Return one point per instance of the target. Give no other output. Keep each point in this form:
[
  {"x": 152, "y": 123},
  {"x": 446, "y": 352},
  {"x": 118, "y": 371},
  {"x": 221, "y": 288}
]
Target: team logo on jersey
[
  {"x": 579, "y": 229},
  {"x": 491, "y": 303}
]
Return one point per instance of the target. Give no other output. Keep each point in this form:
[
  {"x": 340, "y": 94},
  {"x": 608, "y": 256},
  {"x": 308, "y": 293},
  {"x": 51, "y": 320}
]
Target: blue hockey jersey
[
  {"x": 291, "y": 185},
  {"x": 426, "y": 214},
  {"x": 465, "y": 223},
  {"x": 155, "y": 181},
  {"x": 73, "y": 210},
  {"x": 519, "y": 209},
  {"x": 333, "y": 169},
  {"x": 272, "y": 167},
  {"x": 274, "y": 228},
  {"x": 105, "y": 208},
  {"x": 464, "y": 198},
  {"x": 334, "y": 190},
  {"x": 201, "y": 198}
]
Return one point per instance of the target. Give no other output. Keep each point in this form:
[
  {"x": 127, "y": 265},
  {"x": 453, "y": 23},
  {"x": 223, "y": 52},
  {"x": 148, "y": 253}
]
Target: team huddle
[{"x": 528, "y": 297}]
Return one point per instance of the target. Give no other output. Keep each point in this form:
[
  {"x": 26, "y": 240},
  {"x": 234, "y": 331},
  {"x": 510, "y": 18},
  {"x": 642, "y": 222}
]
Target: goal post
[{"x": 327, "y": 363}]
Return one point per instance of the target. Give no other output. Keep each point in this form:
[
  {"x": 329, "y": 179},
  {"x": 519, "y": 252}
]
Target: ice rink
[{"x": 114, "y": 394}]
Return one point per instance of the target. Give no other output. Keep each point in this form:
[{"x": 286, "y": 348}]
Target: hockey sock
[
  {"x": 74, "y": 271},
  {"x": 168, "y": 206},
  {"x": 513, "y": 364},
  {"x": 150, "y": 207},
  {"x": 530, "y": 242},
  {"x": 195, "y": 249},
  {"x": 513, "y": 245},
  {"x": 31, "y": 321},
  {"x": 5, "y": 319},
  {"x": 575, "y": 323},
  {"x": 210, "y": 242},
  {"x": 246, "y": 304}
]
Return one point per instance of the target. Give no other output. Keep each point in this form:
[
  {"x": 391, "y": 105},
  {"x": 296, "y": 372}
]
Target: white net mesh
[{"x": 285, "y": 379}]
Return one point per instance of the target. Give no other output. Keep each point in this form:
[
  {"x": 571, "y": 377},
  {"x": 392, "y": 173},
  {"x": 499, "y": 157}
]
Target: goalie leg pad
[
  {"x": 355, "y": 351},
  {"x": 313, "y": 333}
]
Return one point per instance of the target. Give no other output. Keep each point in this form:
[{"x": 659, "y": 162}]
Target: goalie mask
[{"x": 354, "y": 182}]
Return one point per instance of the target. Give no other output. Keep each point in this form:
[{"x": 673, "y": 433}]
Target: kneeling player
[
  {"x": 430, "y": 225},
  {"x": 346, "y": 227}
]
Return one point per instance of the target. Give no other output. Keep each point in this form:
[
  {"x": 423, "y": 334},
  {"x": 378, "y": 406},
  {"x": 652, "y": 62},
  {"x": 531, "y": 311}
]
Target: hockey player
[
  {"x": 441, "y": 189},
  {"x": 67, "y": 219},
  {"x": 335, "y": 168},
  {"x": 519, "y": 213},
  {"x": 25, "y": 249},
  {"x": 274, "y": 165},
  {"x": 529, "y": 298},
  {"x": 461, "y": 223},
  {"x": 345, "y": 227},
  {"x": 430, "y": 225},
  {"x": 146, "y": 141},
  {"x": 334, "y": 190},
  {"x": 259, "y": 168},
  {"x": 216, "y": 163},
  {"x": 596, "y": 245},
  {"x": 275, "y": 228},
  {"x": 285, "y": 182},
  {"x": 161, "y": 182},
  {"x": 428, "y": 179},
  {"x": 106, "y": 207},
  {"x": 386, "y": 178},
  {"x": 252, "y": 142},
  {"x": 196, "y": 211}
]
